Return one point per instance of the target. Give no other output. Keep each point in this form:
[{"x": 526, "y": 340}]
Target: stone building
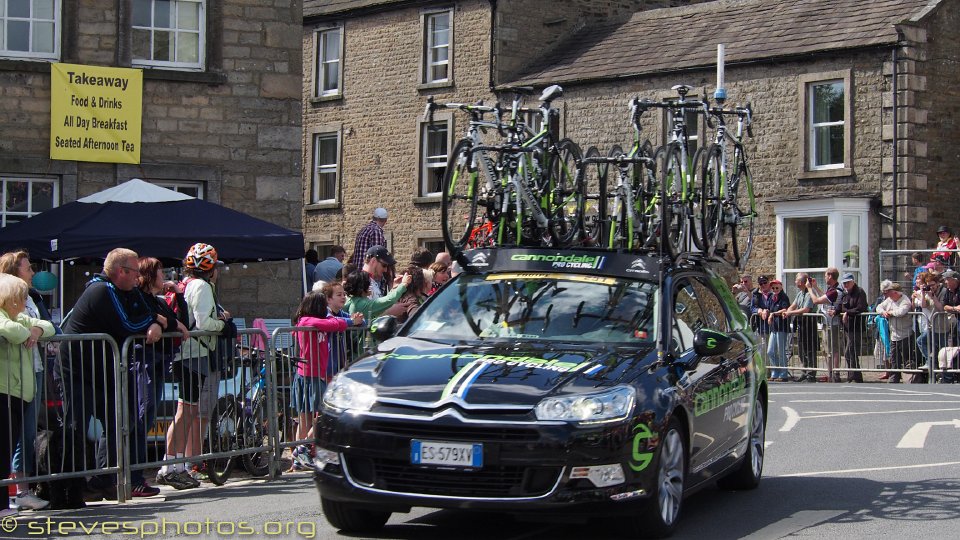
[
  {"x": 221, "y": 116},
  {"x": 853, "y": 101}
]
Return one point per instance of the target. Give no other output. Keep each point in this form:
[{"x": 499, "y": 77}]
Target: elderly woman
[
  {"x": 20, "y": 333},
  {"x": 17, "y": 263}
]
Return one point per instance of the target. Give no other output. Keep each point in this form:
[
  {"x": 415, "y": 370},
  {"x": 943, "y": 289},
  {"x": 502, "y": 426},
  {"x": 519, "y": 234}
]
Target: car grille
[
  {"x": 489, "y": 482},
  {"x": 453, "y": 433}
]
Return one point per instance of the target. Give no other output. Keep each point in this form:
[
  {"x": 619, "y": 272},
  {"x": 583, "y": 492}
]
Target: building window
[
  {"x": 435, "y": 246},
  {"x": 329, "y": 69},
  {"x": 815, "y": 234},
  {"x": 30, "y": 29},
  {"x": 26, "y": 197},
  {"x": 326, "y": 167},
  {"x": 826, "y": 125},
  {"x": 193, "y": 189},
  {"x": 169, "y": 34},
  {"x": 437, "y": 47},
  {"x": 434, "y": 147},
  {"x": 826, "y": 117}
]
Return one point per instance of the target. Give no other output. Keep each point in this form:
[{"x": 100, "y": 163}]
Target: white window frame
[
  {"x": 813, "y": 125},
  {"x": 834, "y": 210},
  {"x": 428, "y": 59},
  {"x": 316, "y": 169},
  {"x": 201, "y": 38},
  {"x": 807, "y": 155},
  {"x": 181, "y": 185},
  {"x": 322, "y": 35},
  {"x": 29, "y": 212},
  {"x": 426, "y": 165},
  {"x": 33, "y": 20}
]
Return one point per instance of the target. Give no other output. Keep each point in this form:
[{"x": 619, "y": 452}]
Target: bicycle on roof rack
[
  {"x": 527, "y": 197},
  {"x": 728, "y": 198}
]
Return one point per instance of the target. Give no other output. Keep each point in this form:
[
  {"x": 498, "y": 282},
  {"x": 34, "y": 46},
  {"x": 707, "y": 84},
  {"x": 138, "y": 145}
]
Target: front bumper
[{"x": 527, "y": 465}]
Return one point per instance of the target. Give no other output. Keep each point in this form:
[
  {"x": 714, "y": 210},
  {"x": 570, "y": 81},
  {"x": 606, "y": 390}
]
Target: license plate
[{"x": 448, "y": 454}]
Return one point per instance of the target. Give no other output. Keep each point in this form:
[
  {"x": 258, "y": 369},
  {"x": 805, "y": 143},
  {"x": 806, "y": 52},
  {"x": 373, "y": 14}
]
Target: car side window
[
  {"x": 715, "y": 317},
  {"x": 688, "y": 316}
]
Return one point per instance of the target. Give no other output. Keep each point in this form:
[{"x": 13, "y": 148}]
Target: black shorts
[{"x": 189, "y": 383}]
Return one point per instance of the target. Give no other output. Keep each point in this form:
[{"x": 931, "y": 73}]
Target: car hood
[{"x": 496, "y": 373}]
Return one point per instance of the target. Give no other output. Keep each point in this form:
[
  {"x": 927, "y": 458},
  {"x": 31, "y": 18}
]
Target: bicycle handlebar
[{"x": 621, "y": 159}]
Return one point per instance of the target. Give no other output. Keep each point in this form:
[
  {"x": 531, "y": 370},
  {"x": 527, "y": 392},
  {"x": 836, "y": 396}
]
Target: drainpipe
[
  {"x": 493, "y": 41},
  {"x": 896, "y": 146}
]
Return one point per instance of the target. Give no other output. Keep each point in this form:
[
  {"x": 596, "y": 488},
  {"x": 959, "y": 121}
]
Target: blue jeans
[
  {"x": 24, "y": 458},
  {"x": 777, "y": 352}
]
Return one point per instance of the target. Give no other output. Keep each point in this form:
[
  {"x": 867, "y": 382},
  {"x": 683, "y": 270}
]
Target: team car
[{"x": 572, "y": 382}]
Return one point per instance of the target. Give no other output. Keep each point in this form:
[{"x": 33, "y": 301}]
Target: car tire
[
  {"x": 660, "y": 513},
  {"x": 351, "y": 518},
  {"x": 747, "y": 474}
]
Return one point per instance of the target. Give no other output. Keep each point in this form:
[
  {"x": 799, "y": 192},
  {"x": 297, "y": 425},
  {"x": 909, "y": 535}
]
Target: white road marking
[
  {"x": 792, "y": 419},
  {"x": 916, "y": 436},
  {"x": 796, "y": 522},
  {"x": 830, "y": 414},
  {"x": 766, "y": 444},
  {"x": 871, "y": 401},
  {"x": 870, "y": 469}
]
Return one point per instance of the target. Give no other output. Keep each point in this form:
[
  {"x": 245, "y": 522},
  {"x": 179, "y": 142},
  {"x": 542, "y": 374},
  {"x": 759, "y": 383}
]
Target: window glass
[
  {"x": 193, "y": 189},
  {"x": 437, "y": 47},
  {"x": 688, "y": 317},
  {"x": 714, "y": 317},
  {"x": 25, "y": 197},
  {"x": 328, "y": 70},
  {"x": 827, "y": 124},
  {"x": 325, "y": 157},
  {"x": 851, "y": 242},
  {"x": 168, "y": 33},
  {"x": 806, "y": 242},
  {"x": 434, "y": 156}
]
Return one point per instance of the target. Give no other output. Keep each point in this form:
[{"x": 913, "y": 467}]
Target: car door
[
  {"x": 702, "y": 383},
  {"x": 730, "y": 407}
]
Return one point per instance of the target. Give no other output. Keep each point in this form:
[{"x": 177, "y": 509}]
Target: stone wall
[
  {"x": 597, "y": 115},
  {"x": 379, "y": 120},
  {"x": 236, "y": 128}
]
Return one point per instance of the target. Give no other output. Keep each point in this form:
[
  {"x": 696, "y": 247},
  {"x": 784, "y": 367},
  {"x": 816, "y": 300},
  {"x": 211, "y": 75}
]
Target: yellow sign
[
  {"x": 543, "y": 275},
  {"x": 95, "y": 113}
]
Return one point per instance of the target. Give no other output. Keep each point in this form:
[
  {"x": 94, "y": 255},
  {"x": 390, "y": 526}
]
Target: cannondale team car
[{"x": 564, "y": 382}]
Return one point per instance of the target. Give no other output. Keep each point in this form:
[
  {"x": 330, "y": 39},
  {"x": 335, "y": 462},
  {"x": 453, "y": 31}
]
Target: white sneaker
[{"x": 29, "y": 501}]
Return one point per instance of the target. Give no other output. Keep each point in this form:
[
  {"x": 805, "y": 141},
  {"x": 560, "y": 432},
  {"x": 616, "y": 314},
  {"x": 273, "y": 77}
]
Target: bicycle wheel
[
  {"x": 222, "y": 438},
  {"x": 620, "y": 231},
  {"x": 592, "y": 178},
  {"x": 256, "y": 433},
  {"x": 674, "y": 219},
  {"x": 567, "y": 198},
  {"x": 711, "y": 208},
  {"x": 646, "y": 194},
  {"x": 742, "y": 213},
  {"x": 459, "y": 200}
]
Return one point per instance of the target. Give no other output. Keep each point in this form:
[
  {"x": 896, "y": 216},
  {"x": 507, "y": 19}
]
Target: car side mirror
[
  {"x": 383, "y": 328},
  {"x": 708, "y": 342}
]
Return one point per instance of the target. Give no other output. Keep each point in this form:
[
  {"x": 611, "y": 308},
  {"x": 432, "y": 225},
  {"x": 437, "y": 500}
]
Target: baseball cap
[
  {"x": 950, "y": 274},
  {"x": 380, "y": 213},
  {"x": 763, "y": 280},
  {"x": 931, "y": 266},
  {"x": 847, "y": 277},
  {"x": 943, "y": 228},
  {"x": 381, "y": 254},
  {"x": 776, "y": 282}
]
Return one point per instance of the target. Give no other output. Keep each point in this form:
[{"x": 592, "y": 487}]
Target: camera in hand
[{"x": 926, "y": 288}]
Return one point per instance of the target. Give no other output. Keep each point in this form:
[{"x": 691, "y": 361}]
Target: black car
[{"x": 574, "y": 382}]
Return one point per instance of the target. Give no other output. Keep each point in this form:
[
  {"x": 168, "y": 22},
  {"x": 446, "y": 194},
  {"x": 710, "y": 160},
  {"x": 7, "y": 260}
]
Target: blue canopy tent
[
  {"x": 150, "y": 220},
  {"x": 153, "y": 221}
]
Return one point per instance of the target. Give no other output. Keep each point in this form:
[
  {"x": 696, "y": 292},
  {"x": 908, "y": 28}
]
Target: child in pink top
[{"x": 309, "y": 383}]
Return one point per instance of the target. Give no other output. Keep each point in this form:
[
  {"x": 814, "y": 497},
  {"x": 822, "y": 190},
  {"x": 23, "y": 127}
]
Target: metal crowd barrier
[{"x": 112, "y": 422}]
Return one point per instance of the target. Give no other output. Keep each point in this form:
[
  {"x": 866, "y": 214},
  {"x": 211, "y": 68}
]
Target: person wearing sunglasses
[{"x": 776, "y": 304}]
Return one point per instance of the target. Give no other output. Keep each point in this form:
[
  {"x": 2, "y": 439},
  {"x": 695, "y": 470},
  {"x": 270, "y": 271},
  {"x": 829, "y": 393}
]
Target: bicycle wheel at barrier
[
  {"x": 711, "y": 207},
  {"x": 256, "y": 433},
  {"x": 674, "y": 220},
  {"x": 459, "y": 200},
  {"x": 592, "y": 179},
  {"x": 567, "y": 197},
  {"x": 742, "y": 214},
  {"x": 222, "y": 437}
]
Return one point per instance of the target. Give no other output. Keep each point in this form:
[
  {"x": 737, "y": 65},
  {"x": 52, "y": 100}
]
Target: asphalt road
[{"x": 843, "y": 461}]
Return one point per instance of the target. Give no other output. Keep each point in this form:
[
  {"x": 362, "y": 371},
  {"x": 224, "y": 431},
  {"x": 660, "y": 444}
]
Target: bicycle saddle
[
  {"x": 682, "y": 89},
  {"x": 551, "y": 92}
]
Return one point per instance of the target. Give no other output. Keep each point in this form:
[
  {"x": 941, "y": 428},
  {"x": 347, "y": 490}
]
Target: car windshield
[{"x": 528, "y": 306}]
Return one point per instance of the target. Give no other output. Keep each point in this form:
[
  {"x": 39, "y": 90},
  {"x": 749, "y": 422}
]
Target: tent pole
[
  {"x": 303, "y": 275},
  {"x": 61, "y": 291}
]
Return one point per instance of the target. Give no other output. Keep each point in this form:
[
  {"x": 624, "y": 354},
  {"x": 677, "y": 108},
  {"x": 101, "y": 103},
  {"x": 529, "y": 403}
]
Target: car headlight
[
  {"x": 348, "y": 395},
  {"x": 612, "y": 405}
]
